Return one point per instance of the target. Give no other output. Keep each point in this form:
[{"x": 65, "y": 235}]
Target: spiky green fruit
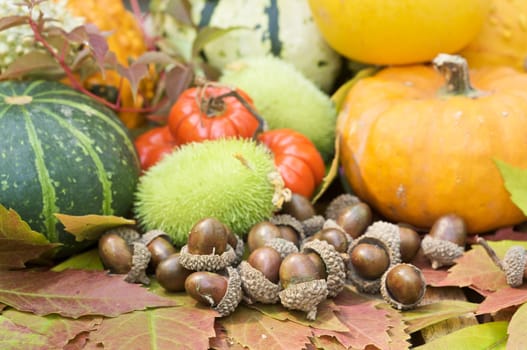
[
  {"x": 286, "y": 99},
  {"x": 232, "y": 180}
]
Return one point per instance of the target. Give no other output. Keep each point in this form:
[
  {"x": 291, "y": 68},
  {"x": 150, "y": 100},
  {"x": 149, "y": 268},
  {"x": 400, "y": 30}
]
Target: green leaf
[
  {"x": 85, "y": 261},
  {"x": 91, "y": 227},
  {"x": 517, "y": 330},
  {"x": 492, "y": 335},
  {"x": 426, "y": 315},
  {"x": 208, "y": 34},
  {"x": 515, "y": 180},
  {"x": 18, "y": 242}
]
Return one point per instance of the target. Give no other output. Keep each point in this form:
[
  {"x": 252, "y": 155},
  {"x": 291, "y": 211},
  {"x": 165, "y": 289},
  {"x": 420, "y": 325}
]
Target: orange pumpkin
[{"x": 416, "y": 150}]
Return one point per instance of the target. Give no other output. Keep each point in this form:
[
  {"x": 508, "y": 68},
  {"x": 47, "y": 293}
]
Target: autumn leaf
[
  {"x": 88, "y": 260},
  {"x": 18, "y": 242},
  {"x": 429, "y": 314},
  {"x": 57, "y": 330},
  {"x": 32, "y": 63},
  {"x": 398, "y": 332},
  {"x": 181, "y": 327},
  {"x": 491, "y": 335},
  {"x": 502, "y": 299},
  {"x": 515, "y": 180},
  {"x": 221, "y": 341},
  {"x": 255, "y": 330},
  {"x": 15, "y": 337},
  {"x": 326, "y": 318},
  {"x": 75, "y": 293},
  {"x": 91, "y": 227},
  {"x": 517, "y": 331}
]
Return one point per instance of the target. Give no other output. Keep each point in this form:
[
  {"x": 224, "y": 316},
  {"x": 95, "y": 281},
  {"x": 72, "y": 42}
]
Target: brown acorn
[
  {"x": 335, "y": 236},
  {"x": 222, "y": 293},
  {"x": 171, "y": 275},
  {"x": 410, "y": 243},
  {"x": 266, "y": 260},
  {"x": 115, "y": 253},
  {"x": 300, "y": 207},
  {"x": 261, "y": 233},
  {"x": 338, "y": 203},
  {"x": 208, "y": 236},
  {"x": 297, "y": 268},
  {"x": 355, "y": 219},
  {"x": 446, "y": 241},
  {"x": 159, "y": 244},
  {"x": 370, "y": 260},
  {"x": 403, "y": 286},
  {"x": 290, "y": 228}
]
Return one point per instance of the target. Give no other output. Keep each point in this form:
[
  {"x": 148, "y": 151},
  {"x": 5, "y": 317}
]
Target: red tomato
[
  {"x": 202, "y": 113},
  {"x": 296, "y": 158},
  {"x": 153, "y": 145}
]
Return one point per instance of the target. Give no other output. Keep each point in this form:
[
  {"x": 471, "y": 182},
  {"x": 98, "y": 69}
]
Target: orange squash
[
  {"x": 125, "y": 40},
  {"x": 503, "y": 38},
  {"x": 416, "y": 150}
]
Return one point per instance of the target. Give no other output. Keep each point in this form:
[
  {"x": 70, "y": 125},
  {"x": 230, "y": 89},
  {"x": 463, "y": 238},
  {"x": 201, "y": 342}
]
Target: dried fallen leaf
[
  {"x": 88, "y": 260},
  {"x": 221, "y": 341},
  {"x": 255, "y": 330},
  {"x": 91, "y": 227},
  {"x": 492, "y": 335},
  {"x": 426, "y": 315},
  {"x": 18, "y": 242},
  {"x": 502, "y": 299},
  {"x": 15, "y": 337},
  {"x": 57, "y": 330},
  {"x": 517, "y": 330},
  {"x": 75, "y": 293}
]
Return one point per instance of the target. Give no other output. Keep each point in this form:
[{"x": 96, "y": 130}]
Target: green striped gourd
[
  {"x": 62, "y": 152},
  {"x": 283, "y": 28}
]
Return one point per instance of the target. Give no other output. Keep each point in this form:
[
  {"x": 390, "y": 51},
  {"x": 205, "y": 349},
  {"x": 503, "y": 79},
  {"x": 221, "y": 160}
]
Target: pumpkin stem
[{"x": 454, "y": 69}]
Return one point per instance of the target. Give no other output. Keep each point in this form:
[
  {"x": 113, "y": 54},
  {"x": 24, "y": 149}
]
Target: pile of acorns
[{"x": 296, "y": 258}]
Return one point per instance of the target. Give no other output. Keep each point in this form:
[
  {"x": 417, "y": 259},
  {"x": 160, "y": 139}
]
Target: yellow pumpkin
[
  {"x": 390, "y": 32},
  {"x": 503, "y": 38},
  {"x": 125, "y": 40},
  {"x": 415, "y": 150}
]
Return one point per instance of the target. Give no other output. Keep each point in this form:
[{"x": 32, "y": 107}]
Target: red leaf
[
  {"x": 502, "y": 299},
  {"x": 256, "y": 331},
  {"x": 75, "y": 293},
  {"x": 13, "y": 337},
  {"x": 475, "y": 268},
  {"x": 184, "y": 327},
  {"x": 134, "y": 74}
]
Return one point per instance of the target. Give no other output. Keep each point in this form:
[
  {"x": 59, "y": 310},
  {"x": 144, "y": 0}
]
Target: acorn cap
[
  {"x": 232, "y": 296},
  {"x": 367, "y": 285},
  {"x": 335, "y": 267},
  {"x": 313, "y": 225},
  {"x": 291, "y": 221},
  {"x": 282, "y": 246},
  {"x": 513, "y": 264},
  {"x": 149, "y": 236},
  {"x": 338, "y": 203},
  {"x": 206, "y": 262},
  {"x": 440, "y": 252},
  {"x": 305, "y": 297},
  {"x": 388, "y": 233},
  {"x": 394, "y": 303},
  {"x": 256, "y": 286},
  {"x": 140, "y": 259},
  {"x": 128, "y": 233}
]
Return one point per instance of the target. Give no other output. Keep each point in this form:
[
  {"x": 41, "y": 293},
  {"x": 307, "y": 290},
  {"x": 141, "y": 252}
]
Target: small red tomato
[
  {"x": 153, "y": 145},
  {"x": 206, "y": 113},
  {"x": 296, "y": 158}
]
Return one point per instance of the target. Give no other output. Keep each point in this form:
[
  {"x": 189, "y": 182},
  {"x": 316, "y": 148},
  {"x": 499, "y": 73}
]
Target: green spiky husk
[
  {"x": 227, "y": 179},
  {"x": 304, "y": 108}
]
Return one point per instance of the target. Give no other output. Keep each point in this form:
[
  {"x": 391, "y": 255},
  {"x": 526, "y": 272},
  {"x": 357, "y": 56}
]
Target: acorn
[
  {"x": 335, "y": 269},
  {"x": 220, "y": 292},
  {"x": 319, "y": 263},
  {"x": 261, "y": 233},
  {"x": 290, "y": 228},
  {"x": 370, "y": 256},
  {"x": 282, "y": 246},
  {"x": 335, "y": 236},
  {"x": 259, "y": 276},
  {"x": 299, "y": 207},
  {"x": 410, "y": 243},
  {"x": 140, "y": 261},
  {"x": 355, "y": 219},
  {"x": 238, "y": 245},
  {"x": 445, "y": 242},
  {"x": 171, "y": 275},
  {"x": 160, "y": 247},
  {"x": 297, "y": 268},
  {"x": 514, "y": 263},
  {"x": 207, "y": 248},
  {"x": 304, "y": 296},
  {"x": 403, "y": 286},
  {"x": 208, "y": 236},
  {"x": 388, "y": 233},
  {"x": 338, "y": 203}
]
